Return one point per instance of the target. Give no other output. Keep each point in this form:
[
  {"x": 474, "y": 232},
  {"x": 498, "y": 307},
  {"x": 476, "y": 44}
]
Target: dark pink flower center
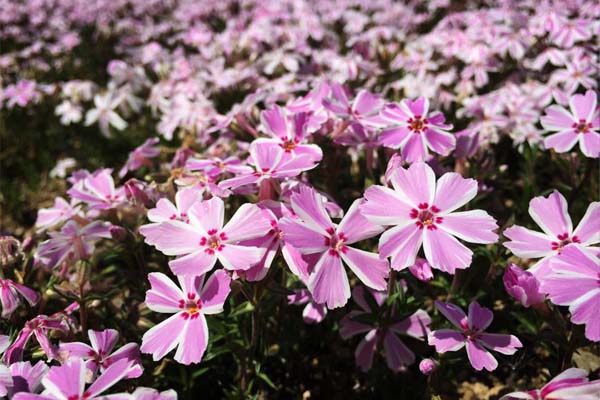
[
  {"x": 417, "y": 125},
  {"x": 192, "y": 306},
  {"x": 213, "y": 242},
  {"x": 563, "y": 240},
  {"x": 425, "y": 216},
  {"x": 582, "y": 126},
  {"x": 336, "y": 242}
]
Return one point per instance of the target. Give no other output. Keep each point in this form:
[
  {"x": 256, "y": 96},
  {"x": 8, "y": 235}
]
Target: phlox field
[{"x": 299, "y": 199}]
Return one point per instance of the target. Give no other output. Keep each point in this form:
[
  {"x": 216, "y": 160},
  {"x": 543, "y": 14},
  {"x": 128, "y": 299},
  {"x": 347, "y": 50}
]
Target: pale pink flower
[
  {"x": 165, "y": 210},
  {"x": 314, "y": 233},
  {"x": 363, "y": 109},
  {"x": 186, "y": 329},
  {"x": 99, "y": 355},
  {"x": 422, "y": 212},
  {"x": 410, "y": 126},
  {"x": 574, "y": 281},
  {"x": 98, "y": 191},
  {"x": 144, "y": 393},
  {"x": 104, "y": 113},
  {"x": 60, "y": 212},
  {"x": 72, "y": 243},
  {"x": 550, "y": 213},
  {"x": 39, "y": 327},
  {"x": 289, "y": 132},
  {"x": 204, "y": 240},
  {"x": 68, "y": 382},
  {"x": 580, "y": 125},
  {"x": 272, "y": 242},
  {"x": 26, "y": 378},
  {"x": 571, "y": 384},
  {"x": 270, "y": 162},
  {"x": 471, "y": 334}
]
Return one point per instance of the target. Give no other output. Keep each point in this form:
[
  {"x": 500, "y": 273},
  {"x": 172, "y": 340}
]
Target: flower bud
[
  {"x": 421, "y": 270},
  {"x": 427, "y": 366},
  {"x": 522, "y": 286},
  {"x": 118, "y": 233}
]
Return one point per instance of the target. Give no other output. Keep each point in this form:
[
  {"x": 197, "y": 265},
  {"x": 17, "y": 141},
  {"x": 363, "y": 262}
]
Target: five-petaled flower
[
  {"x": 204, "y": 240},
  {"x": 471, "y": 334},
  {"x": 422, "y": 212},
  {"x": 314, "y": 233},
  {"x": 550, "y": 214},
  {"x": 186, "y": 329}
]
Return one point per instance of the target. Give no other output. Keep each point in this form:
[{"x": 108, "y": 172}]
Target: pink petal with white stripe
[
  {"x": 328, "y": 284},
  {"x": 453, "y": 191},
  {"x": 444, "y": 252},
  {"x": 368, "y": 267},
  {"x": 551, "y": 214},
  {"x": 475, "y": 226}
]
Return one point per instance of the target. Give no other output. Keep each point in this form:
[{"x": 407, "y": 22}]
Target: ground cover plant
[{"x": 299, "y": 199}]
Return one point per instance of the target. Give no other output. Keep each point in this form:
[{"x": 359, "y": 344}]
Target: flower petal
[
  {"x": 475, "y": 226},
  {"x": 215, "y": 292},
  {"x": 453, "y": 191},
  {"x": 368, "y": 267},
  {"x": 329, "y": 282},
  {"x": 416, "y": 184},
  {"x": 551, "y": 214},
  {"x": 193, "y": 340},
  {"x": 385, "y": 206},
  {"x": 444, "y": 252},
  {"x": 479, "y": 357},
  {"x": 401, "y": 243}
]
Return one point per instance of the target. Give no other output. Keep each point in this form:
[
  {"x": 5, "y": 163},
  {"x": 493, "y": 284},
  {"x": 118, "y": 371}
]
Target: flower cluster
[{"x": 324, "y": 154}]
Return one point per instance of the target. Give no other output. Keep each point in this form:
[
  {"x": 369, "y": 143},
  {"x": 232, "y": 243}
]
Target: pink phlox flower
[
  {"x": 385, "y": 335},
  {"x": 99, "y": 355},
  {"x": 580, "y": 125},
  {"x": 272, "y": 242},
  {"x": 186, "y": 329},
  {"x": 11, "y": 293},
  {"x": 550, "y": 213},
  {"x": 98, "y": 191},
  {"x": 422, "y": 212},
  {"x": 26, "y": 378},
  {"x": 312, "y": 104},
  {"x": 270, "y": 162},
  {"x": 60, "y": 212},
  {"x": 410, "y": 126},
  {"x": 205, "y": 239},
  {"x": 313, "y": 232},
  {"x": 165, "y": 210},
  {"x": 572, "y": 383},
  {"x": 363, "y": 109},
  {"x": 472, "y": 334},
  {"x": 67, "y": 381},
  {"x": 288, "y": 131},
  {"x": 141, "y": 156},
  {"x": 39, "y": 327},
  {"x": 574, "y": 281},
  {"x": 72, "y": 243}
]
